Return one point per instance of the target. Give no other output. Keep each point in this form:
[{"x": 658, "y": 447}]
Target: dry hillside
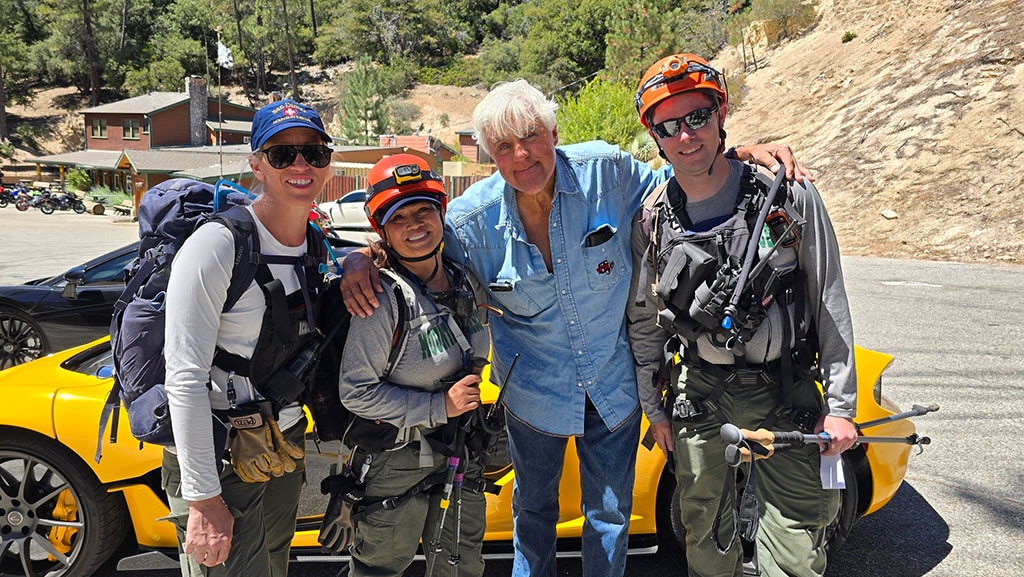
[
  {"x": 919, "y": 117},
  {"x": 922, "y": 114}
]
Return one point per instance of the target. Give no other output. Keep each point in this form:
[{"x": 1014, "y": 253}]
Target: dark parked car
[{"x": 52, "y": 314}]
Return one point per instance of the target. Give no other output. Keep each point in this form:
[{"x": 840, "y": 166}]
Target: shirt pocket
[
  {"x": 605, "y": 257},
  {"x": 529, "y": 296}
]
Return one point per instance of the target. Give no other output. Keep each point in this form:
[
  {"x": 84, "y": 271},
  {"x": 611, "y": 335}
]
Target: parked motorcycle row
[{"x": 46, "y": 201}]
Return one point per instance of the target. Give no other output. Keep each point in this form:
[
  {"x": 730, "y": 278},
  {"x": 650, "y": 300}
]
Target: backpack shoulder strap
[
  {"x": 239, "y": 221},
  {"x": 404, "y": 299}
]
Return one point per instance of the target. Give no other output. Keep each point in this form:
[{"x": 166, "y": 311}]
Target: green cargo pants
[
  {"x": 386, "y": 540},
  {"x": 264, "y": 517},
  {"x": 794, "y": 509}
]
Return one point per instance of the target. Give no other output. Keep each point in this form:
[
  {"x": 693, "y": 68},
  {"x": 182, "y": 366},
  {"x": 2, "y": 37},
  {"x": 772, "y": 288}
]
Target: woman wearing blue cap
[{"x": 235, "y": 510}]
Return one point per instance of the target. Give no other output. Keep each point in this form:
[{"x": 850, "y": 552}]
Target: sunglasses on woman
[
  {"x": 694, "y": 121},
  {"x": 283, "y": 155}
]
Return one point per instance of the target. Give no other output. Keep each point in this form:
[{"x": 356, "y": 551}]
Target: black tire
[
  {"x": 78, "y": 206},
  {"x": 21, "y": 205},
  {"x": 21, "y": 339},
  {"x": 59, "y": 520},
  {"x": 46, "y": 207},
  {"x": 3, "y": 201},
  {"x": 671, "y": 534}
]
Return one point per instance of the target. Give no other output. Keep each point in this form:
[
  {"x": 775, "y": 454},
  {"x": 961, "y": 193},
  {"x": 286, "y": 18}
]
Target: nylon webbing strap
[{"x": 745, "y": 514}]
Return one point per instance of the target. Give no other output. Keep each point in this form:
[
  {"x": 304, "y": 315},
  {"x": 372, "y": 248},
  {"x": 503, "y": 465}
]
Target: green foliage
[
  {"x": 566, "y": 41},
  {"x": 601, "y": 110},
  {"x": 107, "y": 195},
  {"x": 642, "y": 31},
  {"x": 848, "y": 36},
  {"x": 783, "y": 18},
  {"x": 79, "y": 179},
  {"x": 6, "y": 149},
  {"x": 499, "y": 60},
  {"x": 363, "y": 105},
  {"x": 459, "y": 72},
  {"x": 390, "y": 31}
]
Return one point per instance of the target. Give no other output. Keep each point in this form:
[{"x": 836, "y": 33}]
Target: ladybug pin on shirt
[{"x": 605, "y": 267}]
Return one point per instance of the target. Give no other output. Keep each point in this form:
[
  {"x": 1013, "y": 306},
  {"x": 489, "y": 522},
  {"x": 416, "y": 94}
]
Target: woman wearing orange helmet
[{"x": 421, "y": 394}]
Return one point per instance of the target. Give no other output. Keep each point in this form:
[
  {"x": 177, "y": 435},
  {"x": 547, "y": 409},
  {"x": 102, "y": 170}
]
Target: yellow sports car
[{"x": 63, "y": 514}]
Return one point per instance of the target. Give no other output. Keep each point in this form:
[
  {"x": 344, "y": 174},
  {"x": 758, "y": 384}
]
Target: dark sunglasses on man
[
  {"x": 694, "y": 121},
  {"x": 283, "y": 155}
]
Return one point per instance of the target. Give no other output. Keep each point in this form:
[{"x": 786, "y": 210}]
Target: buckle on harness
[
  {"x": 389, "y": 503},
  {"x": 685, "y": 409}
]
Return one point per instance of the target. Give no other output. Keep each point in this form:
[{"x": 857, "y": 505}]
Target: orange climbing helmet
[
  {"x": 672, "y": 75},
  {"x": 397, "y": 180}
]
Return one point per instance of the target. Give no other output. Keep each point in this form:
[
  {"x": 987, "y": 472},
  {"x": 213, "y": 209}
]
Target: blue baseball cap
[{"x": 282, "y": 115}]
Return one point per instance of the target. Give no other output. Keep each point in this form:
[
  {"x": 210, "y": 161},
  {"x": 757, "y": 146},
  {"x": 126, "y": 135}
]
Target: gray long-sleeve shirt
[
  {"x": 410, "y": 396},
  {"x": 825, "y": 298}
]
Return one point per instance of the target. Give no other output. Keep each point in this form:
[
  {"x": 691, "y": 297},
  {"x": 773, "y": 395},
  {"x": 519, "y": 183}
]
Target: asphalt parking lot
[{"x": 955, "y": 331}]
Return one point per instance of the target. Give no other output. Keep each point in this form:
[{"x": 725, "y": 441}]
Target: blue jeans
[{"x": 607, "y": 470}]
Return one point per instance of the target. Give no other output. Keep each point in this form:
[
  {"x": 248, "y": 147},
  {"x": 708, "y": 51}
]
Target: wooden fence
[{"x": 339, "y": 186}]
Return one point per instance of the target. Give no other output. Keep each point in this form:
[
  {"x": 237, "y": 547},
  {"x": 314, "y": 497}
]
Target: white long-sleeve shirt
[{"x": 195, "y": 327}]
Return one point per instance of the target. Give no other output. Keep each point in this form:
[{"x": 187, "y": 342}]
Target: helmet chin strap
[
  {"x": 399, "y": 257},
  {"x": 721, "y": 149}
]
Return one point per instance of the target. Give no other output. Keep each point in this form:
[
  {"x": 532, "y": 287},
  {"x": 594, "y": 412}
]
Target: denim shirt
[{"x": 568, "y": 326}]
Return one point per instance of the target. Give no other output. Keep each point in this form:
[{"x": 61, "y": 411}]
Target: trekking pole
[
  {"x": 761, "y": 444},
  {"x": 449, "y": 485},
  {"x": 915, "y": 411},
  {"x": 455, "y": 557},
  {"x": 501, "y": 392},
  {"x": 748, "y": 258}
]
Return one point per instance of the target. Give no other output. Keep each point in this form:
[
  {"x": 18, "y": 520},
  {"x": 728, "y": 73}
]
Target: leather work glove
[
  {"x": 286, "y": 452},
  {"x": 257, "y": 447},
  {"x": 337, "y": 530}
]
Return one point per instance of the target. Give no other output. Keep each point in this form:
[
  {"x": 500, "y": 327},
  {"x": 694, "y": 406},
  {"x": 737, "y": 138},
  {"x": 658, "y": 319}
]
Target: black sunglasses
[
  {"x": 694, "y": 121},
  {"x": 283, "y": 155}
]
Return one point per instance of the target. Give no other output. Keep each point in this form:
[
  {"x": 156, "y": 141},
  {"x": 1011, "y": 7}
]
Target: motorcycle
[
  {"x": 68, "y": 201},
  {"x": 42, "y": 201},
  {"x": 6, "y": 196}
]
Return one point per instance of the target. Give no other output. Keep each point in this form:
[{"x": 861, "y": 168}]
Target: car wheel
[
  {"x": 839, "y": 530},
  {"x": 671, "y": 534},
  {"x": 78, "y": 206},
  {"x": 58, "y": 520},
  {"x": 46, "y": 207},
  {"x": 21, "y": 340}
]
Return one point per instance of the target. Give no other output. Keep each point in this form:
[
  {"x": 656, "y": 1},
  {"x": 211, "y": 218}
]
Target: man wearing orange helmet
[
  {"x": 416, "y": 395},
  {"x": 548, "y": 236},
  {"x": 746, "y": 284}
]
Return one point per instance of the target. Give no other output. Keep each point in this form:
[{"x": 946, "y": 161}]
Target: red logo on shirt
[{"x": 605, "y": 267}]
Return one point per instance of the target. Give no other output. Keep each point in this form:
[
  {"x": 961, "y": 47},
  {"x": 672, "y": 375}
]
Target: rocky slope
[{"x": 914, "y": 129}]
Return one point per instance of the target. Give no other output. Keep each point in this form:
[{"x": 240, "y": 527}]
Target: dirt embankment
[{"x": 915, "y": 128}]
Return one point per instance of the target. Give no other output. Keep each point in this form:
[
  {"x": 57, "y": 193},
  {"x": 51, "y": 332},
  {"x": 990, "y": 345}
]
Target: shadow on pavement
[{"x": 907, "y": 537}]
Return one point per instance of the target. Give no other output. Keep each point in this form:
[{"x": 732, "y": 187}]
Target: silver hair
[{"x": 512, "y": 109}]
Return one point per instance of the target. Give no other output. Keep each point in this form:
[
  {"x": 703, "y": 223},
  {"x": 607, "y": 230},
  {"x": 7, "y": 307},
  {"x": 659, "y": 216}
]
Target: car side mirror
[{"x": 74, "y": 278}]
